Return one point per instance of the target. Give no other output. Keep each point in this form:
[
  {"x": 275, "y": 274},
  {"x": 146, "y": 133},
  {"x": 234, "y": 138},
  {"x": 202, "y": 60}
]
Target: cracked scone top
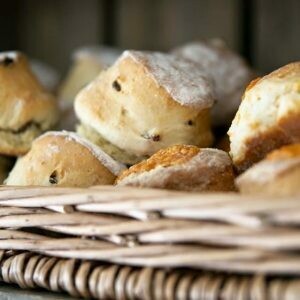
[
  {"x": 144, "y": 102},
  {"x": 278, "y": 174},
  {"x": 229, "y": 71},
  {"x": 268, "y": 117},
  {"x": 64, "y": 159},
  {"x": 26, "y": 109},
  {"x": 182, "y": 167}
]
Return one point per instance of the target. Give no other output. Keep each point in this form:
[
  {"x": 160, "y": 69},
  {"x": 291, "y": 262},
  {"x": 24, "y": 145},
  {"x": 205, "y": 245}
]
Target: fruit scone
[
  {"x": 145, "y": 102},
  {"x": 268, "y": 117},
  {"x": 64, "y": 159},
  {"x": 26, "y": 109},
  {"x": 278, "y": 174},
  {"x": 182, "y": 167},
  {"x": 230, "y": 73}
]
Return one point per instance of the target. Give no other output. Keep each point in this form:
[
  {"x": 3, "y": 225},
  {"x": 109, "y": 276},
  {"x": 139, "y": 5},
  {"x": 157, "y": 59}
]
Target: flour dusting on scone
[
  {"x": 229, "y": 71},
  {"x": 145, "y": 102},
  {"x": 64, "y": 159}
]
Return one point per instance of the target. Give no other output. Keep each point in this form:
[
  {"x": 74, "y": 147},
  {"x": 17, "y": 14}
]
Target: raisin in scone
[
  {"x": 229, "y": 71},
  {"x": 145, "y": 102},
  {"x": 268, "y": 117},
  {"x": 26, "y": 109},
  {"x": 64, "y": 159},
  {"x": 182, "y": 167},
  {"x": 278, "y": 174}
]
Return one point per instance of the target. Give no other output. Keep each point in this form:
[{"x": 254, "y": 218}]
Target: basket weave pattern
[{"x": 108, "y": 242}]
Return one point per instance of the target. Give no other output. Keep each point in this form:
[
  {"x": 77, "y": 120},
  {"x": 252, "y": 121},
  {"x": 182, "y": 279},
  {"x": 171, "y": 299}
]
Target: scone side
[
  {"x": 128, "y": 121},
  {"x": 56, "y": 160}
]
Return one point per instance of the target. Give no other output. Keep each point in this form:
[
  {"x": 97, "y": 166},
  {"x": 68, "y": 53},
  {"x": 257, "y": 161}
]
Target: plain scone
[
  {"x": 145, "y": 102},
  {"x": 64, "y": 159},
  {"x": 26, "y": 109},
  {"x": 268, "y": 117},
  {"x": 182, "y": 167},
  {"x": 229, "y": 71},
  {"x": 278, "y": 174}
]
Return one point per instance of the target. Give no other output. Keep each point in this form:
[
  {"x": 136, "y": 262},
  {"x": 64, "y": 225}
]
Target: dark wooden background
[{"x": 266, "y": 32}]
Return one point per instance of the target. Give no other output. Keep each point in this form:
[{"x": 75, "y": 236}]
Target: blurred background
[{"x": 266, "y": 32}]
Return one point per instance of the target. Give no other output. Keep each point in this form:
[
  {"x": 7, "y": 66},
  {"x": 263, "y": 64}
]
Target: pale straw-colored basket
[{"x": 126, "y": 243}]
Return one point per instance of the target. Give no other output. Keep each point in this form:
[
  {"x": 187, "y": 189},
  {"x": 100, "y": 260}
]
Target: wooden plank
[
  {"x": 277, "y": 32},
  {"x": 51, "y": 29},
  {"x": 163, "y": 24},
  {"x": 8, "y": 25}
]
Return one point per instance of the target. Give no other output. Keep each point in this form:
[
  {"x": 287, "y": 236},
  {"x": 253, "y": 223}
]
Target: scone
[
  {"x": 64, "y": 159},
  {"x": 278, "y": 174},
  {"x": 182, "y": 167},
  {"x": 145, "y": 102},
  {"x": 87, "y": 62},
  {"x": 229, "y": 71},
  {"x": 26, "y": 109},
  {"x": 6, "y": 164},
  {"x": 268, "y": 117}
]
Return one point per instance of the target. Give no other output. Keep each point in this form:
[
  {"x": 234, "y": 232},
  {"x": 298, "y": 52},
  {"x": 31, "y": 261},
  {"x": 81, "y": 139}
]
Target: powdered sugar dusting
[
  {"x": 112, "y": 165},
  {"x": 228, "y": 70},
  {"x": 187, "y": 84},
  {"x": 198, "y": 172}
]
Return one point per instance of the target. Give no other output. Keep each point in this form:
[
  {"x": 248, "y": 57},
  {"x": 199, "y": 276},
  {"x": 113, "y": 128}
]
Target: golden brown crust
[
  {"x": 23, "y": 102},
  {"x": 259, "y": 146},
  {"x": 185, "y": 168},
  {"x": 174, "y": 155},
  {"x": 286, "y": 152},
  {"x": 288, "y": 70},
  {"x": 59, "y": 159},
  {"x": 252, "y": 83},
  {"x": 268, "y": 117}
]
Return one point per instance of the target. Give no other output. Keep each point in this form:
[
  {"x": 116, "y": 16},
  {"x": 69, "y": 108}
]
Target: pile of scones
[{"x": 194, "y": 119}]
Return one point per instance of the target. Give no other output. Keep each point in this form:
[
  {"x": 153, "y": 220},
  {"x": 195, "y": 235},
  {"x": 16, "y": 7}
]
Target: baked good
[
  {"x": 145, "y": 102},
  {"x": 182, "y": 167},
  {"x": 278, "y": 174},
  {"x": 26, "y": 109},
  {"x": 268, "y": 117},
  {"x": 229, "y": 71},
  {"x": 87, "y": 62},
  {"x": 6, "y": 164},
  {"x": 64, "y": 159}
]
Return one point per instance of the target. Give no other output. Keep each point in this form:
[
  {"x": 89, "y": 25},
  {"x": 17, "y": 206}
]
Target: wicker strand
[{"x": 90, "y": 280}]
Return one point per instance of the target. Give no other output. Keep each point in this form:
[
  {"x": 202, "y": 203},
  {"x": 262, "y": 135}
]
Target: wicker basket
[{"x": 125, "y": 243}]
